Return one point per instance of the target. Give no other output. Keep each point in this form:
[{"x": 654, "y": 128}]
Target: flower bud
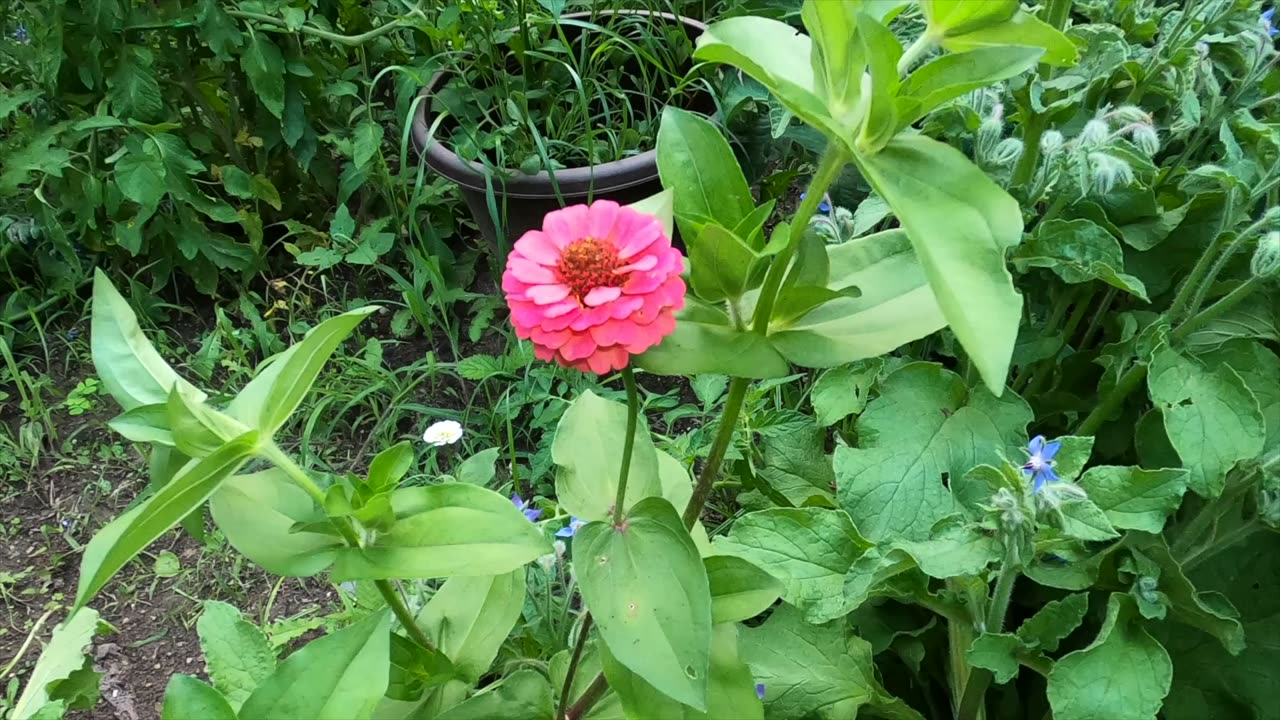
[
  {"x": 1007, "y": 152},
  {"x": 1095, "y": 133},
  {"x": 1145, "y": 137},
  {"x": 1266, "y": 258},
  {"x": 1009, "y": 508},
  {"x": 1269, "y": 508},
  {"x": 1129, "y": 115},
  {"x": 989, "y": 134},
  {"x": 1051, "y": 142},
  {"x": 1108, "y": 171}
]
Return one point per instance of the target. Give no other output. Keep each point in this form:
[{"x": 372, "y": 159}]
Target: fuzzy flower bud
[
  {"x": 1053, "y": 496},
  {"x": 1007, "y": 152},
  {"x": 1145, "y": 137},
  {"x": 1129, "y": 115},
  {"x": 1266, "y": 258},
  {"x": 1009, "y": 508},
  {"x": 1051, "y": 142},
  {"x": 1108, "y": 172},
  {"x": 989, "y": 134},
  {"x": 1095, "y": 132},
  {"x": 1269, "y": 508}
]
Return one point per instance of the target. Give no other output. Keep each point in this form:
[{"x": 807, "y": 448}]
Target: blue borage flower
[
  {"x": 824, "y": 206},
  {"x": 1267, "y": 22},
  {"x": 760, "y": 690},
  {"x": 1040, "y": 463},
  {"x": 530, "y": 514},
  {"x": 21, "y": 34},
  {"x": 571, "y": 529}
]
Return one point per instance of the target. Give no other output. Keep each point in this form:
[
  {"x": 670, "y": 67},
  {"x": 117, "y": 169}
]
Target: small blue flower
[
  {"x": 571, "y": 529},
  {"x": 824, "y": 206},
  {"x": 72, "y": 334},
  {"x": 760, "y": 690},
  {"x": 1267, "y": 23},
  {"x": 1040, "y": 465},
  {"x": 530, "y": 514},
  {"x": 21, "y": 34}
]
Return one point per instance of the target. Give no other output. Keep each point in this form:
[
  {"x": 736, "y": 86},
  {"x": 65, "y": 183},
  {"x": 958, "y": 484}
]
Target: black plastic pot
[{"x": 526, "y": 198}]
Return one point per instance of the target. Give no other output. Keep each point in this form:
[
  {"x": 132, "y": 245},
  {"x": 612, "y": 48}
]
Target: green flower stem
[
  {"x": 633, "y": 411},
  {"x": 348, "y": 40},
  {"x": 1095, "y": 322},
  {"x": 1210, "y": 263},
  {"x": 589, "y": 698},
  {"x": 574, "y": 659},
  {"x": 1057, "y": 12},
  {"x": 833, "y": 161},
  {"x": 975, "y": 689},
  {"x": 917, "y": 50},
  {"x": 724, "y": 436},
  {"x": 389, "y": 593},
  {"x": 1083, "y": 298},
  {"x": 1209, "y": 515},
  {"x": 1134, "y": 376}
]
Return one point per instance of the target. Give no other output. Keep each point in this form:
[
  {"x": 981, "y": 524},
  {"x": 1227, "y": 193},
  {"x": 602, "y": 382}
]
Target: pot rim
[{"x": 605, "y": 177}]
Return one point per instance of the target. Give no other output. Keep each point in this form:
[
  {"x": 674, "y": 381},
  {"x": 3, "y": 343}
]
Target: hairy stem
[
  {"x": 975, "y": 689},
  {"x": 574, "y": 659}
]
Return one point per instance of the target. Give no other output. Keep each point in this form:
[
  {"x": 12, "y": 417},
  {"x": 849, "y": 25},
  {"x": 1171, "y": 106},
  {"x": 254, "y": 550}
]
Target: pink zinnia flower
[{"x": 596, "y": 285}]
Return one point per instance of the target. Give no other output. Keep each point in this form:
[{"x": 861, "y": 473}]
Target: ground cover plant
[{"x": 939, "y": 381}]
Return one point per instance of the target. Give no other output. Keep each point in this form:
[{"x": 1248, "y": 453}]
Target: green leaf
[
  {"x": 660, "y": 205},
  {"x": 132, "y": 89},
  {"x": 128, "y": 366},
  {"x": 469, "y": 618},
  {"x": 479, "y": 469},
  {"x": 697, "y": 347},
  {"x": 219, "y": 31},
  {"x": 895, "y": 305},
  {"x": 843, "y": 391},
  {"x": 808, "y": 549},
  {"x": 721, "y": 265},
  {"x": 948, "y": 18},
  {"x": 952, "y": 549},
  {"x": 1260, "y": 370},
  {"x": 1079, "y": 251},
  {"x": 1134, "y": 498},
  {"x": 739, "y": 589},
  {"x": 262, "y": 62},
  {"x": 338, "y": 677},
  {"x": 696, "y": 163},
  {"x": 924, "y": 428},
  {"x": 62, "y": 657},
  {"x": 883, "y": 51},
  {"x": 776, "y": 56},
  {"x": 199, "y": 430},
  {"x": 1209, "y": 611},
  {"x": 522, "y": 695},
  {"x": 445, "y": 530},
  {"x": 1072, "y": 456},
  {"x": 1209, "y": 682},
  {"x": 120, "y": 540},
  {"x": 1211, "y": 417},
  {"x": 839, "y": 59},
  {"x": 960, "y": 224},
  {"x": 298, "y": 371},
  {"x": 950, "y": 76},
  {"x": 1124, "y": 675},
  {"x": 1022, "y": 29},
  {"x": 795, "y": 465},
  {"x": 257, "y": 514},
  {"x": 1054, "y": 621},
  {"x": 367, "y": 141},
  {"x": 1084, "y": 520},
  {"x": 587, "y": 451},
  {"x": 647, "y": 590},
  {"x": 389, "y": 466},
  {"x": 140, "y": 174},
  {"x": 187, "y": 698},
  {"x": 730, "y": 689},
  {"x": 812, "y": 669},
  {"x": 996, "y": 652},
  {"x": 237, "y": 655},
  {"x": 144, "y": 424}
]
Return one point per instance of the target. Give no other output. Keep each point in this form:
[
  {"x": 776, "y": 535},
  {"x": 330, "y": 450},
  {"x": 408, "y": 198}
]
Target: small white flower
[{"x": 445, "y": 432}]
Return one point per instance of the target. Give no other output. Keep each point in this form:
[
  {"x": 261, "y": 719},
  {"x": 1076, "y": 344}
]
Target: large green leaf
[
  {"x": 697, "y": 164},
  {"x": 1124, "y": 675},
  {"x": 1054, "y": 621},
  {"x": 647, "y": 590},
  {"x": 721, "y": 264},
  {"x": 896, "y": 305},
  {"x": 698, "y": 346},
  {"x": 1260, "y": 370},
  {"x": 445, "y": 530},
  {"x": 1021, "y": 29},
  {"x": 341, "y": 676},
  {"x": 188, "y": 698},
  {"x": 262, "y": 62},
  {"x": 951, "y": 76},
  {"x": 257, "y": 514},
  {"x": 739, "y": 589},
  {"x": 1134, "y": 498},
  {"x": 808, "y": 549},
  {"x": 956, "y": 17},
  {"x": 64, "y": 655},
  {"x": 1209, "y": 682},
  {"x": 470, "y": 617},
  {"x": 298, "y": 369},
  {"x": 775, "y": 55},
  {"x": 924, "y": 428},
  {"x": 123, "y": 538},
  {"x": 144, "y": 424},
  {"x": 1211, "y": 417},
  {"x": 587, "y": 451},
  {"x": 821, "y": 670},
  {"x": 960, "y": 224},
  {"x": 199, "y": 430},
  {"x": 522, "y": 695},
  {"x": 140, "y": 174},
  {"x": 133, "y": 89},
  {"x": 129, "y": 367},
  {"x": 237, "y": 655},
  {"x": 1079, "y": 251},
  {"x": 1208, "y": 611},
  {"x": 730, "y": 689}
]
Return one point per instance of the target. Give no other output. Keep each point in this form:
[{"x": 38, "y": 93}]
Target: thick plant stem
[
  {"x": 724, "y": 436},
  {"x": 633, "y": 412},
  {"x": 574, "y": 659},
  {"x": 975, "y": 689},
  {"x": 389, "y": 593},
  {"x": 589, "y": 698},
  {"x": 833, "y": 161},
  {"x": 914, "y": 52}
]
